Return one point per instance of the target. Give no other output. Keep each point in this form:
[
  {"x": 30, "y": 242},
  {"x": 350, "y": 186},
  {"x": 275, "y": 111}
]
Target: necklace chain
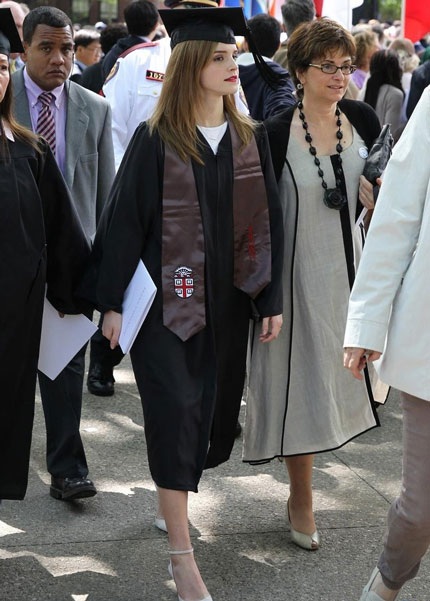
[{"x": 333, "y": 197}]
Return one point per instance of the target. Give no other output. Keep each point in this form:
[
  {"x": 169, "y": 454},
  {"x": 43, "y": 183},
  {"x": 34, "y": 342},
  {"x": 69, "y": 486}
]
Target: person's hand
[
  {"x": 355, "y": 360},
  {"x": 111, "y": 329},
  {"x": 365, "y": 192},
  {"x": 270, "y": 328}
]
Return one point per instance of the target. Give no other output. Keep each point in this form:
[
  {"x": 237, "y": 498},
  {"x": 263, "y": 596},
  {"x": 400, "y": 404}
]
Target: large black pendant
[{"x": 334, "y": 199}]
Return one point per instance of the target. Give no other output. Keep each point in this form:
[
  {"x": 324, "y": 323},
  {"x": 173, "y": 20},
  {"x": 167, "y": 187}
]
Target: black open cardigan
[{"x": 361, "y": 116}]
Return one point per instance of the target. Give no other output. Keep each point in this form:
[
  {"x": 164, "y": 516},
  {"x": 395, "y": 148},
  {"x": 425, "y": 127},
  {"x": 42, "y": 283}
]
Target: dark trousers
[{"x": 62, "y": 403}]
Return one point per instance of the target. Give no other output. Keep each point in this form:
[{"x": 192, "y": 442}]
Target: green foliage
[{"x": 390, "y": 10}]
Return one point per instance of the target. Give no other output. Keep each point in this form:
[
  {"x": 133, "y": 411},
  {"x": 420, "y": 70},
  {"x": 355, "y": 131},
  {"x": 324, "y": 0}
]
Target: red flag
[
  {"x": 416, "y": 18},
  {"x": 318, "y": 7}
]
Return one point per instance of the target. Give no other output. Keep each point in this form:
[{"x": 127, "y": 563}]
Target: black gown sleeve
[
  {"x": 67, "y": 246},
  {"x": 269, "y": 301},
  {"x": 279, "y": 99},
  {"x": 127, "y": 220}
]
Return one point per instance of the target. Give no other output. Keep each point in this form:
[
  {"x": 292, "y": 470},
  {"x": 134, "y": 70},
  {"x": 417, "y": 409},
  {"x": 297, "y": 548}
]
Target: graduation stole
[{"x": 183, "y": 247}]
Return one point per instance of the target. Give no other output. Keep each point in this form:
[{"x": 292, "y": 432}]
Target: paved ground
[{"x": 107, "y": 549}]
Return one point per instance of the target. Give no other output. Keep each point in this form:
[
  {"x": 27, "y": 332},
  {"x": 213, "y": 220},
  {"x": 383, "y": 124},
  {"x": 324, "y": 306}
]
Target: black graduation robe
[
  {"x": 191, "y": 391},
  {"x": 41, "y": 242}
]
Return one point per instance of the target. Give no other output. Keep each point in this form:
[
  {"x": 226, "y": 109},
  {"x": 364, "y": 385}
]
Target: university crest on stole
[{"x": 183, "y": 279}]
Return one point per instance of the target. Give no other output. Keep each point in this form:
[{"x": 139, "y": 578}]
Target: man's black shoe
[
  {"x": 69, "y": 489},
  {"x": 100, "y": 381}
]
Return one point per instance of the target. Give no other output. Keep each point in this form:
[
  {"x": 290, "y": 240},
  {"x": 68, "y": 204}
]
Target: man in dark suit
[
  {"x": 420, "y": 80},
  {"x": 141, "y": 18},
  {"x": 83, "y": 150},
  {"x": 88, "y": 51},
  {"x": 264, "y": 100}
]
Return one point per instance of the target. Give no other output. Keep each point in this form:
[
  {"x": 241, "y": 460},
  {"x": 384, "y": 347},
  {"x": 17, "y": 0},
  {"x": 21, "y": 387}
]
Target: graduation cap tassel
[{"x": 267, "y": 73}]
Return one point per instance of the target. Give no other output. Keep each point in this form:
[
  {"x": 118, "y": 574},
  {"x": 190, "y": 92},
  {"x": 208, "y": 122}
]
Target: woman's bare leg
[
  {"x": 174, "y": 508},
  {"x": 300, "y": 502}
]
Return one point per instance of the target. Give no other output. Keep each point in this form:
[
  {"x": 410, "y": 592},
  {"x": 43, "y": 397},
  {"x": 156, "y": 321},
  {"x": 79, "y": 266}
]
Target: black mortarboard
[
  {"x": 211, "y": 24},
  {"x": 9, "y": 36}
]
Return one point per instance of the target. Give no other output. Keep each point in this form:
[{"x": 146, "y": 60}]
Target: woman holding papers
[
  {"x": 196, "y": 200},
  {"x": 41, "y": 242}
]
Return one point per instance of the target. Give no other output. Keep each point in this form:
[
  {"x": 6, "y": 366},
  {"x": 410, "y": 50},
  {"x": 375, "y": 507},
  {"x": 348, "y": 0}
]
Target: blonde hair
[
  {"x": 365, "y": 40},
  {"x": 175, "y": 116}
]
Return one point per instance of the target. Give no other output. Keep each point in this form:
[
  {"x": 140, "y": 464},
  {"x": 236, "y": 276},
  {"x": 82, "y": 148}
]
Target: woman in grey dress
[{"x": 300, "y": 400}]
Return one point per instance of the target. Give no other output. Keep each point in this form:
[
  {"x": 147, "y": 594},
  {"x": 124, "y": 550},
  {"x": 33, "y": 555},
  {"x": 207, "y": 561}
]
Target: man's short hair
[
  {"x": 295, "y": 12},
  {"x": 111, "y": 34},
  {"x": 44, "y": 15},
  {"x": 84, "y": 37},
  {"x": 141, "y": 17},
  {"x": 266, "y": 33}
]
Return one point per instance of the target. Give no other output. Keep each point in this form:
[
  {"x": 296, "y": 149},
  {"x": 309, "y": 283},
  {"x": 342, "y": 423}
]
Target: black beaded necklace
[{"x": 333, "y": 197}]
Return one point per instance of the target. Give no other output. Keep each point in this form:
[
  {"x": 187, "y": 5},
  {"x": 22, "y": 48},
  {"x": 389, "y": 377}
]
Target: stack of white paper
[
  {"x": 61, "y": 339},
  {"x": 137, "y": 301}
]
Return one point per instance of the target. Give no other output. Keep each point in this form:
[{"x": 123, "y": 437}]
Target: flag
[
  {"x": 254, "y": 7},
  {"x": 416, "y": 19},
  {"x": 275, "y": 9},
  {"x": 339, "y": 10},
  {"x": 318, "y": 7}
]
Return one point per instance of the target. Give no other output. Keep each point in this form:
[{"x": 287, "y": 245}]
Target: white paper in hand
[
  {"x": 137, "y": 301},
  {"x": 61, "y": 339}
]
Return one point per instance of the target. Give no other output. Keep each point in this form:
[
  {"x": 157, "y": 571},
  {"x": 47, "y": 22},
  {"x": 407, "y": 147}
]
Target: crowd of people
[{"x": 246, "y": 204}]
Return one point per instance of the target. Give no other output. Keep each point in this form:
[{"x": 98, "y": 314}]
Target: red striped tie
[{"x": 45, "y": 121}]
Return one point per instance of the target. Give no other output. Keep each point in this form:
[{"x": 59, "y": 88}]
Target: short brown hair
[{"x": 315, "y": 40}]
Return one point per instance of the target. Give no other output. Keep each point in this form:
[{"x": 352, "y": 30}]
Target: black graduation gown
[
  {"x": 191, "y": 390},
  {"x": 41, "y": 242}
]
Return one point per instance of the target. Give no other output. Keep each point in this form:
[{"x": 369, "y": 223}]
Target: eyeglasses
[{"x": 331, "y": 69}]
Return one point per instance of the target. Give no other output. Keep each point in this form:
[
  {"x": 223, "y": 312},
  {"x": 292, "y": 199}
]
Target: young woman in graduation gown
[
  {"x": 195, "y": 198},
  {"x": 42, "y": 245}
]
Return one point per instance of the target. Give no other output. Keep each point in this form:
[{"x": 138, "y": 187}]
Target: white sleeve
[
  {"x": 393, "y": 233},
  {"x": 118, "y": 91}
]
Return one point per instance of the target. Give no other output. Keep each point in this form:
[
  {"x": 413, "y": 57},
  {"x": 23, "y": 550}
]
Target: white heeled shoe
[
  {"x": 160, "y": 523},
  {"x": 170, "y": 570},
  {"x": 310, "y": 542},
  {"x": 369, "y": 595}
]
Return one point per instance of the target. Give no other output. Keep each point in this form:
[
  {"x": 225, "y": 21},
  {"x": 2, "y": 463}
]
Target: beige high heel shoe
[
  {"x": 170, "y": 570},
  {"x": 310, "y": 542}
]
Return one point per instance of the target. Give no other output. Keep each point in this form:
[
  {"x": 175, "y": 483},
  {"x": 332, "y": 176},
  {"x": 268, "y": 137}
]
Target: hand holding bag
[{"x": 379, "y": 155}]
